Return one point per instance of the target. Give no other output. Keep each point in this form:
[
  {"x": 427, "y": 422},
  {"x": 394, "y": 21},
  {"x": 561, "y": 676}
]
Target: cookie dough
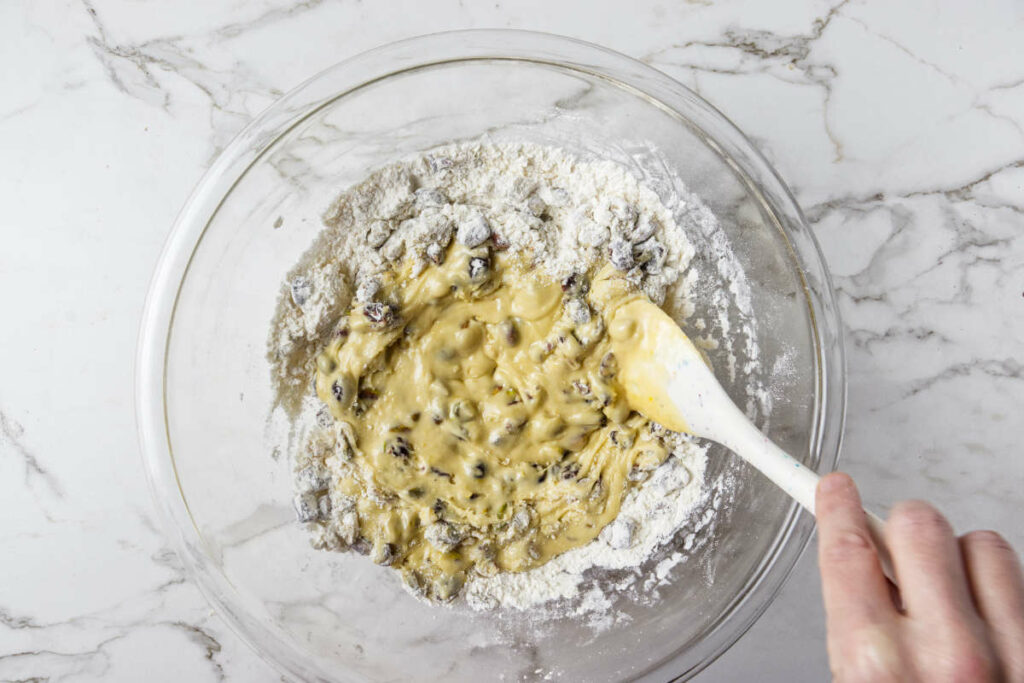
[{"x": 479, "y": 420}]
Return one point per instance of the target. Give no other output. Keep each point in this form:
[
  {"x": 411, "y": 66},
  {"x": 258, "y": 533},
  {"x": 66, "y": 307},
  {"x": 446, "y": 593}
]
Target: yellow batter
[{"x": 486, "y": 430}]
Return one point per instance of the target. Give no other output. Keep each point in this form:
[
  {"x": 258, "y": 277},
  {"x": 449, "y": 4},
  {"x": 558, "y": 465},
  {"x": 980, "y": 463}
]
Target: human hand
[{"x": 958, "y": 614}]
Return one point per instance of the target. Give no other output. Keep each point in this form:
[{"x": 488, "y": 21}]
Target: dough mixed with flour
[{"x": 470, "y": 428}]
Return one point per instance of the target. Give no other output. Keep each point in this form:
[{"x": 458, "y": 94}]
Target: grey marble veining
[{"x": 900, "y": 127}]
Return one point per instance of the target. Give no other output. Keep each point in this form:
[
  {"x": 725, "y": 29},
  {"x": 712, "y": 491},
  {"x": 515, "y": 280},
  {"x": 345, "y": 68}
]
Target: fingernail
[{"x": 837, "y": 481}]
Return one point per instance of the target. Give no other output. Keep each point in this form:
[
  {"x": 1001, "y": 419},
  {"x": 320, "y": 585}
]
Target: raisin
[
  {"x": 384, "y": 554},
  {"x": 306, "y": 509},
  {"x": 479, "y": 267},
  {"x": 442, "y": 473},
  {"x": 380, "y": 314},
  {"x": 651, "y": 255},
  {"x": 575, "y": 285},
  {"x": 559, "y": 197},
  {"x": 473, "y": 231},
  {"x": 367, "y": 290},
  {"x": 435, "y": 252},
  {"x": 301, "y": 290},
  {"x": 622, "y": 533},
  {"x": 510, "y": 332},
  {"x": 438, "y": 164},
  {"x": 535, "y": 205},
  {"x": 324, "y": 418},
  {"x": 313, "y": 479},
  {"x": 323, "y": 504},
  {"x": 581, "y": 386},
  {"x": 578, "y": 311},
  {"x": 621, "y": 254},
  {"x": 644, "y": 228},
  {"x": 399, "y": 447},
  {"x": 608, "y": 367},
  {"x": 430, "y": 198}
]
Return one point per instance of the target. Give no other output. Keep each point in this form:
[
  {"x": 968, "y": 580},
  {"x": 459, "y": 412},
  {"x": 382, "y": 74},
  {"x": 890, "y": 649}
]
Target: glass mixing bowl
[{"x": 223, "y": 482}]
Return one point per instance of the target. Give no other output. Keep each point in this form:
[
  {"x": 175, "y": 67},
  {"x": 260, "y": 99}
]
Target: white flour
[
  {"x": 650, "y": 517},
  {"x": 565, "y": 215}
]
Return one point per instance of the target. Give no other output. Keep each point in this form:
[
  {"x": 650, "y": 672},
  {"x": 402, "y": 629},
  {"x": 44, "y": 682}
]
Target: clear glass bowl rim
[{"x": 247, "y": 148}]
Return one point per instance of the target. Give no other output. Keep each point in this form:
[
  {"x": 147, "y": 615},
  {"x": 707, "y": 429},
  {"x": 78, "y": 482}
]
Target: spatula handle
[{"x": 797, "y": 480}]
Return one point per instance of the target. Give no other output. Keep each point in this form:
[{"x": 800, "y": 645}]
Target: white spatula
[{"x": 667, "y": 380}]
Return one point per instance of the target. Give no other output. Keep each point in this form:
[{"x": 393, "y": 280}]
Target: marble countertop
[{"x": 899, "y": 126}]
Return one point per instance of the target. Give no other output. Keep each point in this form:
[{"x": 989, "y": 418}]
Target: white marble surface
[{"x": 900, "y": 126}]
